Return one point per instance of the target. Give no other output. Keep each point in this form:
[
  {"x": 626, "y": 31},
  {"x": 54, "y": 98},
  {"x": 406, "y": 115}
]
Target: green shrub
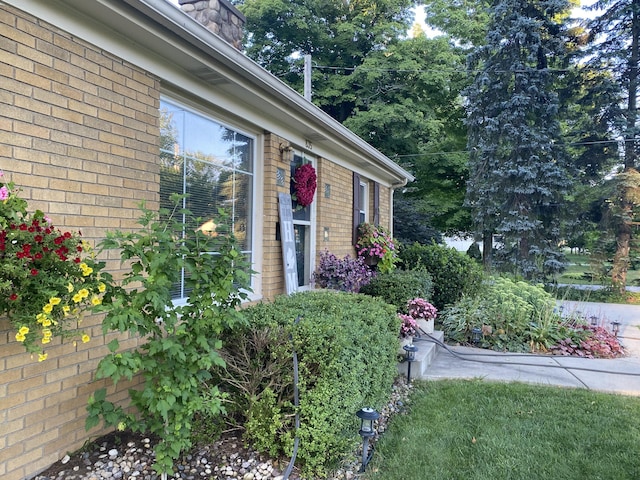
[
  {"x": 181, "y": 343},
  {"x": 398, "y": 287},
  {"x": 513, "y": 315},
  {"x": 346, "y": 346},
  {"x": 453, "y": 273}
]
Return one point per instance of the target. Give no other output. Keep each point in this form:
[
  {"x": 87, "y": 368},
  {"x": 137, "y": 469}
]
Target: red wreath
[{"x": 305, "y": 184}]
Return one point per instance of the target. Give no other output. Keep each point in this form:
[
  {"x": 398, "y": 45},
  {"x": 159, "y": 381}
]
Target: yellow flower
[
  {"x": 47, "y": 308},
  {"x": 46, "y": 340},
  {"x": 46, "y": 332},
  {"x": 122, "y": 426},
  {"x": 66, "y": 309},
  {"x": 41, "y": 317},
  {"x": 96, "y": 300},
  {"x": 77, "y": 298},
  {"x": 20, "y": 337},
  {"x": 54, "y": 300},
  {"x": 46, "y": 322},
  {"x": 85, "y": 338},
  {"x": 86, "y": 269},
  {"x": 23, "y": 330},
  {"x": 101, "y": 287},
  {"x": 70, "y": 287},
  {"x": 84, "y": 293},
  {"x": 42, "y": 357}
]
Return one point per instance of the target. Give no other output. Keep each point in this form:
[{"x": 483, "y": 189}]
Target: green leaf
[{"x": 114, "y": 345}]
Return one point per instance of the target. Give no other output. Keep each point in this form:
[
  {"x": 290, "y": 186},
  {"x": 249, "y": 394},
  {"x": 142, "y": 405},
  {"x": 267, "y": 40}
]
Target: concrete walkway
[{"x": 620, "y": 375}]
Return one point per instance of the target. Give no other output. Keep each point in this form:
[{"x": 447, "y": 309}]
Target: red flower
[
  {"x": 37, "y": 256},
  {"x": 38, "y": 238},
  {"x": 13, "y": 297},
  {"x": 67, "y": 235},
  {"x": 34, "y": 272},
  {"x": 23, "y": 227},
  {"x": 58, "y": 240},
  {"x": 77, "y": 260}
]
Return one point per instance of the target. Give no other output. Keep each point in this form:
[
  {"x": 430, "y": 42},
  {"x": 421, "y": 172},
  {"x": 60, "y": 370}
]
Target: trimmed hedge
[
  {"x": 398, "y": 287},
  {"x": 454, "y": 274},
  {"x": 346, "y": 346}
]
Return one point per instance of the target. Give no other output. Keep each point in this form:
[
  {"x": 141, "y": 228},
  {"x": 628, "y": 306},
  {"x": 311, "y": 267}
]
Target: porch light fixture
[
  {"x": 367, "y": 416},
  {"x": 615, "y": 327},
  {"x": 476, "y": 335},
  {"x": 409, "y": 357},
  {"x": 285, "y": 152}
]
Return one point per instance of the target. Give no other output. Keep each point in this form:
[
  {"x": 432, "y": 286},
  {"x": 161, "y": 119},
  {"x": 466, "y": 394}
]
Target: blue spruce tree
[{"x": 518, "y": 167}]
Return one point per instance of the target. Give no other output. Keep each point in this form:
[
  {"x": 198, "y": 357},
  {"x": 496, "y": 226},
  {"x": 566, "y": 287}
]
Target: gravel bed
[{"x": 128, "y": 456}]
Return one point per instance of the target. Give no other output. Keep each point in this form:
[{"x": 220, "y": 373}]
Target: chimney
[{"x": 219, "y": 16}]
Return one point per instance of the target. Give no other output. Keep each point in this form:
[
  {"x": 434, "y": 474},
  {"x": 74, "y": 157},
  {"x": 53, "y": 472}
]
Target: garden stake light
[
  {"x": 615, "y": 328},
  {"x": 476, "y": 335},
  {"x": 409, "y": 357},
  {"x": 367, "y": 416},
  {"x": 594, "y": 321}
]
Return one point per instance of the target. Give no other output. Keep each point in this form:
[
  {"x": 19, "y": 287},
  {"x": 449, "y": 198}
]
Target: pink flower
[{"x": 4, "y": 193}]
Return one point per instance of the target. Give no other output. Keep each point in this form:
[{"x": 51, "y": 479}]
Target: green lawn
[
  {"x": 582, "y": 270},
  {"x": 479, "y": 430}
]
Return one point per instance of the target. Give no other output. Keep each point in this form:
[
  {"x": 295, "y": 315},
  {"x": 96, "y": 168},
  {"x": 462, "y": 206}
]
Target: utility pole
[{"x": 307, "y": 77}]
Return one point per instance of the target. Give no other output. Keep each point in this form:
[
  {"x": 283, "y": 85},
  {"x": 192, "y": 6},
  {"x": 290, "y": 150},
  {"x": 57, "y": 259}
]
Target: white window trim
[
  {"x": 310, "y": 262},
  {"x": 257, "y": 188}
]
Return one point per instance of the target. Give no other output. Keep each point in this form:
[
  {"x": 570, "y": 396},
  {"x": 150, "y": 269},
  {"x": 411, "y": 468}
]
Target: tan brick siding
[
  {"x": 78, "y": 133},
  {"x": 336, "y": 211},
  {"x": 272, "y": 269}
]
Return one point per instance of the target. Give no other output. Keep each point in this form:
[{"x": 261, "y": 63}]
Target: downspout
[{"x": 395, "y": 186}]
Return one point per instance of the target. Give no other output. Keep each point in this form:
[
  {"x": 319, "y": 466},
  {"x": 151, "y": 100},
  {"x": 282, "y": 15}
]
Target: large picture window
[{"x": 214, "y": 165}]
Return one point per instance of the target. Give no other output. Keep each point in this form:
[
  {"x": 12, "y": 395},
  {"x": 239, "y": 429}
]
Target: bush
[
  {"x": 346, "y": 346},
  {"x": 347, "y": 274},
  {"x": 181, "y": 342},
  {"x": 514, "y": 316},
  {"x": 398, "y": 287},
  {"x": 454, "y": 274},
  {"x": 519, "y": 317}
]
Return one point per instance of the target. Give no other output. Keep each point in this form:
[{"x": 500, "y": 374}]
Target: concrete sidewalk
[{"x": 621, "y": 375}]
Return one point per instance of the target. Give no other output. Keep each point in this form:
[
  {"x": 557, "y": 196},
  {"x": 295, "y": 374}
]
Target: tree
[
  {"x": 616, "y": 41},
  {"x": 409, "y": 107},
  {"x": 518, "y": 175},
  {"x": 411, "y": 225},
  {"x": 464, "y": 20},
  {"x": 338, "y": 35}
]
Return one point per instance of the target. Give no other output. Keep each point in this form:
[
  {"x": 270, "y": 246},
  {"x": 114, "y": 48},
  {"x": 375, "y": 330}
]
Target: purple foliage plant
[{"x": 347, "y": 274}]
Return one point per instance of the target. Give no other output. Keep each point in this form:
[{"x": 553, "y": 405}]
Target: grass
[
  {"x": 472, "y": 429},
  {"x": 581, "y": 270}
]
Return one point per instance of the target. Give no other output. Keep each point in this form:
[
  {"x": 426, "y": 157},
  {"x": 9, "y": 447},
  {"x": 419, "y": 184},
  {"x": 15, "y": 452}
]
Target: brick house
[{"x": 106, "y": 103}]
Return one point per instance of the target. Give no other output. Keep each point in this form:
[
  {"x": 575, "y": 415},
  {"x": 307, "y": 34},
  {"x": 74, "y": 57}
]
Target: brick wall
[
  {"x": 334, "y": 212},
  {"x": 272, "y": 269},
  {"x": 78, "y": 133}
]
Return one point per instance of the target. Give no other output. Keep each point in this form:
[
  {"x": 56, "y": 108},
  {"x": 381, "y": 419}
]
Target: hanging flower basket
[{"x": 304, "y": 181}]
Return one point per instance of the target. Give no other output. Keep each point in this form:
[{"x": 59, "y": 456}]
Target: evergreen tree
[
  {"x": 616, "y": 48},
  {"x": 518, "y": 175}
]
